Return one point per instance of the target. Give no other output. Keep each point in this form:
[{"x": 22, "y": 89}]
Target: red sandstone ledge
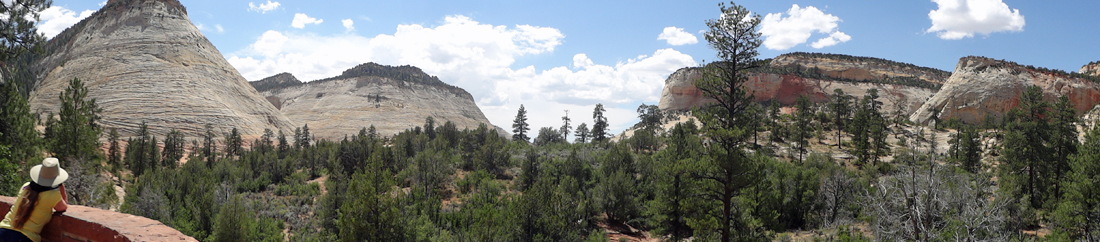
[{"x": 82, "y": 223}]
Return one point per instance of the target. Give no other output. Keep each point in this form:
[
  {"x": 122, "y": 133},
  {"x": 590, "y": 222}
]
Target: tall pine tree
[
  {"x": 599, "y": 124},
  {"x": 75, "y": 135},
  {"x": 735, "y": 37},
  {"x": 520, "y": 126}
]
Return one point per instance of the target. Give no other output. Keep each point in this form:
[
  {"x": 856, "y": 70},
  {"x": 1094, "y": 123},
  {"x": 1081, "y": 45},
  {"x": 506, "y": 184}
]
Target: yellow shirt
[{"x": 43, "y": 212}]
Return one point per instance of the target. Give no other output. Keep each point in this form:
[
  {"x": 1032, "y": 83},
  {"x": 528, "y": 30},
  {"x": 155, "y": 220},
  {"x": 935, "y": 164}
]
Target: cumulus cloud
[
  {"x": 957, "y": 19},
  {"x": 263, "y": 7},
  {"x": 301, "y": 20},
  {"x": 478, "y": 57},
  {"x": 349, "y": 25},
  {"x": 781, "y": 33},
  {"x": 677, "y": 36},
  {"x": 103, "y": 3},
  {"x": 833, "y": 39},
  {"x": 55, "y": 19}
]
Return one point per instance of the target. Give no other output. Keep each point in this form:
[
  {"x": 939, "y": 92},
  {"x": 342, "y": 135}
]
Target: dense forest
[
  {"x": 737, "y": 171},
  {"x": 438, "y": 183}
]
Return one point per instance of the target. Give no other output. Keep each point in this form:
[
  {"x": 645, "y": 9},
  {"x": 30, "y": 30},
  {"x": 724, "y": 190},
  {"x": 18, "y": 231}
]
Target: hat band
[{"x": 39, "y": 188}]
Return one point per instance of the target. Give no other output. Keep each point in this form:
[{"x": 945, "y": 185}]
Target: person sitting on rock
[{"x": 36, "y": 202}]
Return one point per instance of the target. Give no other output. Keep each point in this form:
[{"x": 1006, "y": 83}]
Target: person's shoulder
[{"x": 54, "y": 194}]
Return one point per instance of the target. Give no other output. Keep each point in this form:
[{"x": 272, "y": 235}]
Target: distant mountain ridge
[
  {"x": 979, "y": 87},
  {"x": 281, "y": 80},
  {"x": 144, "y": 61},
  {"x": 837, "y": 67},
  {"x": 1093, "y": 69},
  {"x": 391, "y": 98},
  {"x": 982, "y": 88},
  {"x": 788, "y": 76}
]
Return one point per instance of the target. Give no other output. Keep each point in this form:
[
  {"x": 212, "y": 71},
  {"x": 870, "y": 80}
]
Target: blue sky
[{"x": 552, "y": 56}]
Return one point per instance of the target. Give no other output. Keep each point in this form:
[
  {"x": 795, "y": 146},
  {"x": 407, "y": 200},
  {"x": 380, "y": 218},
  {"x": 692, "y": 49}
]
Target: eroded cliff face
[
  {"x": 857, "y": 75},
  {"x": 1092, "y": 69},
  {"x": 343, "y": 105},
  {"x": 143, "y": 60},
  {"x": 982, "y": 87},
  {"x": 859, "y": 68}
]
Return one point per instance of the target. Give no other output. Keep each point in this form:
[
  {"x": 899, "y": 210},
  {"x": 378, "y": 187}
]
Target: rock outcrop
[
  {"x": 789, "y": 76},
  {"x": 143, "y": 60},
  {"x": 982, "y": 87},
  {"x": 1092, "y": 69},
  {"x": 392, "y": 99},
  {"x": 861, "y": 69},
  {"x": 280, "y": 80}
]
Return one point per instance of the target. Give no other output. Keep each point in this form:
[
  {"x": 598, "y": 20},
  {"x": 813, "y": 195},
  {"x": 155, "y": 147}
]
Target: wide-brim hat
[{"x": 49, "y": 173}]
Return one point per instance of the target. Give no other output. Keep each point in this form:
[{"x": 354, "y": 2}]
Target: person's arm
[{"x": 63, "y": 204}]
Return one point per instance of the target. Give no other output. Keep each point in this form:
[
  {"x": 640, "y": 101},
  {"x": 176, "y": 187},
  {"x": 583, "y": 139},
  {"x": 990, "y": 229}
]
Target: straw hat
[{"x": 49, "y": 173}]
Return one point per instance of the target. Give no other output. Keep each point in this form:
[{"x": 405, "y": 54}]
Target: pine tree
[
  {"x": 283, "y": 146},
  {"x": 372, "y": 213},
  {"x": 1063, "y": 143},
  {"x": 209, "y": 146},
  {"x": 233, "y": 143},
  {"x": 114, "y": 151},
  {"x": 302, "y": 140},
  {"x": 778, "y": 130},
  {"x": 966, "y": 150},
  {"x": 234, "y": 221},
  {"x": 581, "y": 134},
  {"x": 1024, "y": 148},
  {"x": 153, "y": 158},
  {"x": 75, "y": 135},
  {"x": 858, "y": 128},
  {"x": 429, "y": 127},
  {"x": 565, "y": 128},
  {"x": 841, "y": 106},
  {"x": 674, "y": 202},
  {"x": 266, "y": 143},
  {"x": 599, "y": 124},
  {"x": 803, "y": 128},
  {"x": 173, "y": 149},
  {"x": 650, "y": 117},
  {"x": 756, "y": 122},
  {"x": 734, "y": 35},
  {"x": 1077, "y": 217},
  {"x": 297, "y": 136},
  {"x": 17, "y": 123},
  {"x": 520, "y": 126},
  {"x": 138, "y": 155},
  {"x": 19, "y": 140}
]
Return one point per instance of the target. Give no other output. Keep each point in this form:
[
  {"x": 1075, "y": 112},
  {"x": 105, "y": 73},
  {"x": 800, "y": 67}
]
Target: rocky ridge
[
  {"x": 789, "y": 76},
  {"x": 143, "y": 60},
  {"x": 280, "y": 80},
  {"x": 391, "y": 98},
  {"x": 982, "y": 87},
  {"x": 861, "y": 69},
  {"x": 1093, "y": 69}
]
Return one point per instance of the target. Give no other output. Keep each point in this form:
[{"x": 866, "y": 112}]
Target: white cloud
[
  {"x": 957, "y": 19},
  {"x": 478, "y": 57},
  {"x": 263, "y": 7},
  {"x": 104, "y": 3},
  {"x": 349, "y": 25},
  {"x": 217, "y": 28},
  {"x": 55, "y": 19},
  {"x": 781, "y": 33},
  {"x": 301, "y": 19},
  {"x": 833, "y": 39},
  {"x": 677, "y": 36}
]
